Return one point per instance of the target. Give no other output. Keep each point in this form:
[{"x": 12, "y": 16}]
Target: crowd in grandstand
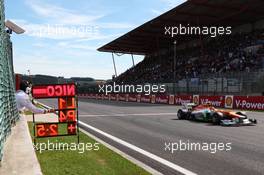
[{"x": 239, "y": 52}]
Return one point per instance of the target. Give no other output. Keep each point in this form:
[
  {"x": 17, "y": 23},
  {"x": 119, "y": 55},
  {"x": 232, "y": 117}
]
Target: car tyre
[
  {"x": 192, "y": 117},
  {"x": 180, "y": 115},
  {"x": 216, "y": 119}
]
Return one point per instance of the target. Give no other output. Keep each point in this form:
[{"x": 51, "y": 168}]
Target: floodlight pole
[
  {"x": 174, "y": 66},
  {"x": 113, "y": 57},
  {"x": 28, "y": 72},
  {"x": 29, "y": 75},
  {"x": 133, "y": 61}
]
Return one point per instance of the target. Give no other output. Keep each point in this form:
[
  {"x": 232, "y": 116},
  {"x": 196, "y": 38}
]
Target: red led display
[
  {"x": 52, "y": 91},
  {"x": 67, "y": 116},
  {"x": 67, "y": 107},
  {"x": 71, "y": 128},
  {"x": 47, "y": 130},
  {"x": 67, "y": 111},
  {"x": 66, "y": 103}
]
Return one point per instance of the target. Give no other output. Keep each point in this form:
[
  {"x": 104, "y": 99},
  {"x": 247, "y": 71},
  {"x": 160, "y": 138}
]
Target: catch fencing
[{"x": 8, "y": 109}]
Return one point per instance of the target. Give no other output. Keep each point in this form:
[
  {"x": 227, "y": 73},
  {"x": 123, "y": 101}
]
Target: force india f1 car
[{"x": 207, "y": 113}]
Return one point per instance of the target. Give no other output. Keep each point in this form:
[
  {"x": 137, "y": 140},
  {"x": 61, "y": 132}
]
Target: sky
[{"x": 62, "y": 36}]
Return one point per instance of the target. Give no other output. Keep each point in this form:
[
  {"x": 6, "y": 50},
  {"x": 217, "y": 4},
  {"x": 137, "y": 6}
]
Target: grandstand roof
[{"x": 150, "y": 36}]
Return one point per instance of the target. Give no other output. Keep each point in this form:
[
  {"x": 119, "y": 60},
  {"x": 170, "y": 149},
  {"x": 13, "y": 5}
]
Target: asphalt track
[{"x": 150, "y": 126}]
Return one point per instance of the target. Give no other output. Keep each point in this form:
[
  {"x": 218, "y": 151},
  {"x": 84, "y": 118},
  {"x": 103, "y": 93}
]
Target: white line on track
[
  {"x": 141, "y": 151},
  {"x": 121, "y": 115}
]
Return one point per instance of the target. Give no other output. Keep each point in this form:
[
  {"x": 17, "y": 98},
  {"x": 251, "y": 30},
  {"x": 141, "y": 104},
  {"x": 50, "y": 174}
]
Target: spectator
[
  {"x": 23, "y": 100},
  {"x": 222, "y": 54}
]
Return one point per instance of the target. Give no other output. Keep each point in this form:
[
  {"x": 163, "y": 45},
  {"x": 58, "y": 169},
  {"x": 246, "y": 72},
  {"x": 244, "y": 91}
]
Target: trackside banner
[
  {"x": 122, "y": 97},
  {"x": 145, "y": 98},
  {"x": 113, "y": 96},
  {"x": 217, "y": 101},
  {"x": 228, "y": 101},
  {"x": 132, "y": 97},
  {"x": 181, "y": 99},
  {"x": 93, "y": 96},
  {"x": 100, "y": 97},
  {"x": 106, "y": 97},
  {"x": 138, "y": 98},
  {"x": 162, "y": 99},
  {"x": 249, "y": 102}
]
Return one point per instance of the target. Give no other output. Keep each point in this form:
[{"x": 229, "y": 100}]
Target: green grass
[{"x": 101, "y": 162}]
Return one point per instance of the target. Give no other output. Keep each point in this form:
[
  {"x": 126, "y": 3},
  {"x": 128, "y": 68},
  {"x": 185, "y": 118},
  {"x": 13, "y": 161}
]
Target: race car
[{"x": 208, "y": 113}]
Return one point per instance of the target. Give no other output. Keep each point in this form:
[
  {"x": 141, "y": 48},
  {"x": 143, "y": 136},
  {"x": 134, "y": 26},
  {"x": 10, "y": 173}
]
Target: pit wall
[{"x": 228, "y": 101}]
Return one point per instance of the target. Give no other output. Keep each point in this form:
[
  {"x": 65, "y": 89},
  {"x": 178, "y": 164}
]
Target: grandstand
[{"x": 199, "y": 63}]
